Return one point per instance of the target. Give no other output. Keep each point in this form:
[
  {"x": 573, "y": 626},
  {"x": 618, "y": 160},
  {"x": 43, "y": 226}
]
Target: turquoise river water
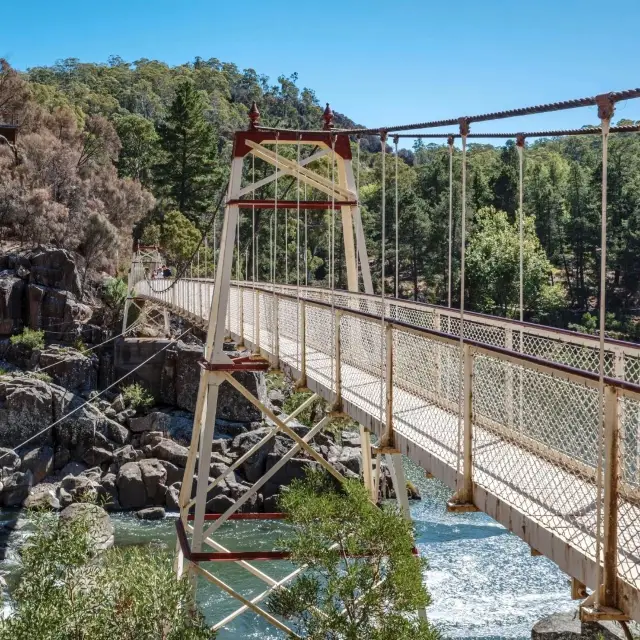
[{"x": 483, "y": 581}]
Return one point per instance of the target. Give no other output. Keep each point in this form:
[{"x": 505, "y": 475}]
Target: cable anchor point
[
  {"x": 254, "y": 116},
  {"x": 327, "y": 116}
]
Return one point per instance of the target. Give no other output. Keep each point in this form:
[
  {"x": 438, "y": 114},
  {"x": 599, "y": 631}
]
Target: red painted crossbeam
[{"x": 292, "y": 204}]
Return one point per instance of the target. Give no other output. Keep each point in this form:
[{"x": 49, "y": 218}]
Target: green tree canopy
[
  {"x": 493, "y": 267},
  {"x": 179, "y": 237},
  {"x": 363, "y": 581},
  {"x": 188, "y": 173}
]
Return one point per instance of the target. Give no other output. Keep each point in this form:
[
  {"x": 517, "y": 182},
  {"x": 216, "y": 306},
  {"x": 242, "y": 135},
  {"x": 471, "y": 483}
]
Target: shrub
[
  {"x": 67, "y": 590},
  {"x": 31, "y": 338},
  {"x": 79, "y": 345},
  {"x": 363, "y": 581},
  {"x": 137, "y": 397},
  {"x": 311, "y": 415},
  {"x": 114, "y": 293},
  {"x": 41, "y": 375}
]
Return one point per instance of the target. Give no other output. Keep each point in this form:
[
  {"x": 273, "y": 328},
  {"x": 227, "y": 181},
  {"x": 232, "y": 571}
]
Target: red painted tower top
[
  {"x": 254, "y": 116},
  {"x": 327, "y": 116}
]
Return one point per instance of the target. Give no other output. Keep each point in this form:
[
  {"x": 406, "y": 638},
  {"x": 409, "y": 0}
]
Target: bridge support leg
[
  {"x": 462, "y": 500},
  {"x": 367, "y": 463},
  {"x": 609, "y": 608},
  {"x": 302, "y": 381}
]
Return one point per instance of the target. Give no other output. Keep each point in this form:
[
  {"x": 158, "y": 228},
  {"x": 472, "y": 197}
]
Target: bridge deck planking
[{"x": 428, "y": 435}]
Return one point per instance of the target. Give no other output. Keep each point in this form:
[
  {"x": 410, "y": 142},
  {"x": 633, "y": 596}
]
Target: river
[{"x": 483, "y": 581}]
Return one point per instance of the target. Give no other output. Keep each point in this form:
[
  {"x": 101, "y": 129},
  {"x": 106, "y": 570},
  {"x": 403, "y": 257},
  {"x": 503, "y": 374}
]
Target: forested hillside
[{"x": 109, "y": 152}]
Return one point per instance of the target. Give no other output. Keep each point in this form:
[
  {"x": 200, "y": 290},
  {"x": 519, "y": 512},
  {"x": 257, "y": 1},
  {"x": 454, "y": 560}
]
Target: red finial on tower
[
  {"x": 327, "y": 116},
  {"x": 450, "y": 141},
  {"x": 520, "y": 139},
  {"x": 254, "y": 116}
]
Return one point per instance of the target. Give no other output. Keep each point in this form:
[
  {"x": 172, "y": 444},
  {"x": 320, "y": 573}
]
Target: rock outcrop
[
  {"x": 40, "y": 289},
  {"x": 567, "y": 626}
]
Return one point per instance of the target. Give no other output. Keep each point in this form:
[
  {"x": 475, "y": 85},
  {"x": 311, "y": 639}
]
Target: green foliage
[
  {"x": 312, "y": 414},
  {"x": 67, "y": 591},
  {"x": 344, "y": 595},
  {"x": 151, "y": 234},
  {"x": 40, "y": 375},
  {"x": 493, "y": 261},
  {"x": 137, "y": 397},
  {"x": 31, "y": 338},
  {"x": 179, "y": 237},
  {"x": 187, "y": 172},
  {"x": 139, "y": 150},
  {"x": 79, "y": 345},
  {"x": 114, "y": 293},
  {"x": 174, "y": 129}
]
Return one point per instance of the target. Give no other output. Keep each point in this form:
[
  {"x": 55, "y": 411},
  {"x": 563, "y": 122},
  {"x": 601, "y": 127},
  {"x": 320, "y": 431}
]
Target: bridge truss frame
[{"x": 218, "y": 368}]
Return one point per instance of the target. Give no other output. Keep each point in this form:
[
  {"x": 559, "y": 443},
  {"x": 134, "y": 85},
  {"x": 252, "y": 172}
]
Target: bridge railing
[
  {"x": 581, "y": 351},
  {"x": 516, "y": 425}
]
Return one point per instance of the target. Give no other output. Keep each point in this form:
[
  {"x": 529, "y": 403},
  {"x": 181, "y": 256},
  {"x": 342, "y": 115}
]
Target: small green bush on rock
[
  {"x": 29, "y": 338},
  {"x": 137, "y": 397}
]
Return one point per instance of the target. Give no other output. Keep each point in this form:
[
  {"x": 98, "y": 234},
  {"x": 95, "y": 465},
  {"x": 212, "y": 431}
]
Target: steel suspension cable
[
  {"x": 605, "y": 111},
  {"x": 334, "y": 373},
  {"x": 520, "y": 148},
  {"x": 298, "y": 255},
  {"x": 397, "y": 206},
  {"x": 464, "y": 129},
  {"x": 306, "y": 249},
  {"x": 383, "y": 221},
  {"x": 359, "y": 139},
  {"x": 254, "y": 251},
  {"x": 274, "y": 301},
  {"x": 450, "y": 143}
]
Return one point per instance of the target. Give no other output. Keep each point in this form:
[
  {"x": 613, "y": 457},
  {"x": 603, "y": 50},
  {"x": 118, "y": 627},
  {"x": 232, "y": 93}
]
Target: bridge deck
[{"x": 533, "y": 450}]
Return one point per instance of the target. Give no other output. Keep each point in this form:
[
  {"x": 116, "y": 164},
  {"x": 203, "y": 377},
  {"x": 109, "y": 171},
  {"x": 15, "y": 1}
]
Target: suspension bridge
[{"x": 537, "y": 427}]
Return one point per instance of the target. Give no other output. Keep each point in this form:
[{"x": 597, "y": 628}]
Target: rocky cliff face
[{"x": 40, "y": 289}]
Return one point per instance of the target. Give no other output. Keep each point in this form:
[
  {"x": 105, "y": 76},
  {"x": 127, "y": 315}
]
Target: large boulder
[
  {"x": 12, "y": 290},
  {"x": 40, "y": 288},
  {"x": 181, "y": 377},
  {"x": 55, "y": 268},
  {"x": 15, "y": 489},
  {"x": 76, "y": 489},
  {"x": 26, "y": 406},
  {"x": 108, "y": 491},
  {"x": 69, "y": 368},
  {"x": 43, "y": 496},
  {"x": 131, "y": 487},
  {"x": 101, "y": 530},
  {"x": 39, "y": 461},
  {"x": 154, "y": 421},
  {"x": 294, "y": 469},
  {"x": 9, "y": 462},
  {"x": 171, "y": 452},
  {"x": 567, "y": 626},
  {"x": 154, "y": 477},
  {"x": 254, "y": 467}
]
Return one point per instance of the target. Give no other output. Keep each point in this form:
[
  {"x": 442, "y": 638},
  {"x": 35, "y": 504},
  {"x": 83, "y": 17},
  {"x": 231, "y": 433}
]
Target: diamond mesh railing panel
[
  {"x": 362, "y": 363},
  {"x": 320, "y": 338},
  {"x": 426, "y": 391},
  {"x": 545, "y": 463}
]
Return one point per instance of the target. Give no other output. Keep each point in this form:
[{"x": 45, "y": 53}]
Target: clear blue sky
[{"x": 380, "y": 63}]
